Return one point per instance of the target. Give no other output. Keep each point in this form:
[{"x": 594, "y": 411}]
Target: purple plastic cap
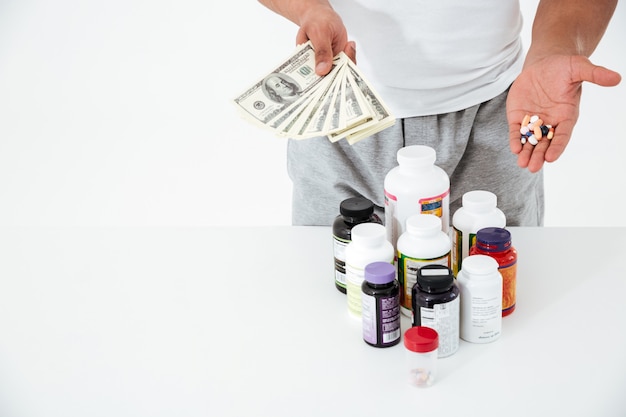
[
  {"x": 380, "y": 272},
  {"x": 493, "y": 239}
]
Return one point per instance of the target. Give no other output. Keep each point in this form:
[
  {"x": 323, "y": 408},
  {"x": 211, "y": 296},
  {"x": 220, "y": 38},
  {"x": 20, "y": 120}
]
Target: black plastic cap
[
  {"x": 434, "y": 278},
  {"x": 356, "y": 207}
]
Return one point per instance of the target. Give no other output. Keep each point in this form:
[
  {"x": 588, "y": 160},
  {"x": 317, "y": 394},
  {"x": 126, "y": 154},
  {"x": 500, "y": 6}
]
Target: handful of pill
[{"x": 533, "y": 130}]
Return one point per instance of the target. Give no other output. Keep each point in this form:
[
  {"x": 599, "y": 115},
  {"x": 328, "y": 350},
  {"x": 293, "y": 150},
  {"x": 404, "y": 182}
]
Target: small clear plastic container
[{"x": 422, "y": 345}]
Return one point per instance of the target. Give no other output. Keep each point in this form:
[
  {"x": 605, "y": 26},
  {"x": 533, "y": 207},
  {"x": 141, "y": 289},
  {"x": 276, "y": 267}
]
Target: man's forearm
[
  {"x": 292, "y": 9},
  {"x": 569, "y": 27}
]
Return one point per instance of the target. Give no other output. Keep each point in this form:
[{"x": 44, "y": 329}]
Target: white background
[{"x": 119, "y": 113}]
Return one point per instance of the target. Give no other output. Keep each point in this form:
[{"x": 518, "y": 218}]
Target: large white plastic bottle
[
  {"x": 479, "y": 210},
  {"x": 415, "y": 186},
  {"x": 423, "y": 243},
  {"x": 369, "y": 244}
]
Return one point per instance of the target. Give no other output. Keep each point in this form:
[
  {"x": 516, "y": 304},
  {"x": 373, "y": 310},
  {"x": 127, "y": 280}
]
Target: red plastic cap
[{"x": 421, "y": 339}]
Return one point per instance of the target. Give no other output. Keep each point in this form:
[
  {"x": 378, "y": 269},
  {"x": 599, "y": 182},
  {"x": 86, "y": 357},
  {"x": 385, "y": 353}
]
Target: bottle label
[
  {"x": 461, "y": 244},
  {"x": 381, "y": 319},
  {"x": 439, "y": 206},
  {"x": 391, "y": 224},
  {"x": 339, "y": 251},
  {"x": 407, "y": 274},
  {"x": 433, "y": 205},
  {"x": 485, "y": 317},
  {"x": 354, "y": 280},
  {"x": 509, "y": 285},
  {"x": 444, "y": 318}
]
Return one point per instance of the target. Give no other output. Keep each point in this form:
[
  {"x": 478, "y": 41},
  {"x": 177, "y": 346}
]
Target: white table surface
[{"x": 247, "y": 322}]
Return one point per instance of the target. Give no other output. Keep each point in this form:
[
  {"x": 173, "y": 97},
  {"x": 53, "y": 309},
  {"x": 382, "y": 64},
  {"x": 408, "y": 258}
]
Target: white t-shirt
[{"x": 429, "y": 57}]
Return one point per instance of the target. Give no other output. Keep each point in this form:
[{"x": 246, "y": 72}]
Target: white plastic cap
[
  {"x": 480, "y": 200},
  {"x": 368, "y": 234},
  {"x": 416, "y": 156},
  {"x": 479, "y": 265},
  {"x": 423, "y": 224}
]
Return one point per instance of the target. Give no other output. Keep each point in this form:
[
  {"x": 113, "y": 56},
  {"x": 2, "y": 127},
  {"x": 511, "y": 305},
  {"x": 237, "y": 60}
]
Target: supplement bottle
[
  {"x": 416, "y": 185},
  {"x": 369, "y": 244},
  {"x": 479, "y": 210},
  {"x": 436, "y": 305},
  {"x": 481, "y": 299},
  {"x": 380, "y": 308},
  {"x": 423, "y": 243},
  {"x": 496, "y": 242},
  {"x": 352, "y": 212},
  {"x": 421, "y": 345}
]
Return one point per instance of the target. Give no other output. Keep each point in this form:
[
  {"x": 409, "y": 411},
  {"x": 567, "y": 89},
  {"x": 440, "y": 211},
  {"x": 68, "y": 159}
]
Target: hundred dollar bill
[
  {"x": 276, "y": 92},
  {"x": 297, "y": 128},
  {"x": 285, "y": 122},
  {"x": 382, "y": 114},
  {"x": 331, "y": 124},
  {"x": 355, "y": 112},
  {"x": 368, "y": 131},
  {"x": 293, "y": 101},
  {"x": 376, "y": 105},
  {"x": 316, "y": 126}
]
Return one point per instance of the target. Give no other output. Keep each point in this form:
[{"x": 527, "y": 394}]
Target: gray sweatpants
[{"x": 472, "y": 146}]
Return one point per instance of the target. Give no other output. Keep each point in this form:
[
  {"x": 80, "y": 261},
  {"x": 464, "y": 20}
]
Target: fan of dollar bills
[{"x": 295, "y": 102}]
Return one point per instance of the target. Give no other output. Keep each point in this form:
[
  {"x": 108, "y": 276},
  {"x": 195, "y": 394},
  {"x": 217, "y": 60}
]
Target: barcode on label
[{"x": 391, "y": 336}]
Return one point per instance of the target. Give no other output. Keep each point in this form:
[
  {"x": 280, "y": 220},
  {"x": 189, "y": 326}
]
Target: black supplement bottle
[
  {"x": 436, "y": 304},
  {"x": 380, "y": 309}
]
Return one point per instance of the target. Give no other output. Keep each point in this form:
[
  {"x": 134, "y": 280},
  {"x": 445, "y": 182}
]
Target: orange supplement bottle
[{"x": 496, "y": 243}]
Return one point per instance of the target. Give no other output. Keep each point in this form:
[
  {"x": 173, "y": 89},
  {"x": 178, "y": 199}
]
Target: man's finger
[{"x": 584, "y": 70}]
